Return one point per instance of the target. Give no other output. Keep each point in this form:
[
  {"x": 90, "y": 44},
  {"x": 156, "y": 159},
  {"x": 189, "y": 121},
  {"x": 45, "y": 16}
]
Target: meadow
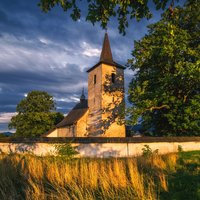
[{"x": 147, "y": 177}]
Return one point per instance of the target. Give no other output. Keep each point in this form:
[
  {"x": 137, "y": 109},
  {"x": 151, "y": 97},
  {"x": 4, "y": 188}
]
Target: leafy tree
[
  {"x": 36, "y": 115},
  {"x": 101, "y": 10},
  {"x": 165, "y": 91}
]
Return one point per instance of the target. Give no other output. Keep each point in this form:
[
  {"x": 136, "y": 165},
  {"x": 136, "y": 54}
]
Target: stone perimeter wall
[{"x": 100, "y": 147}]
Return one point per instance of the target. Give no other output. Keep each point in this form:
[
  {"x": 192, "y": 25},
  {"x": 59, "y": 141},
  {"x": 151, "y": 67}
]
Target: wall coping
[{"x": 98, "y": 139}]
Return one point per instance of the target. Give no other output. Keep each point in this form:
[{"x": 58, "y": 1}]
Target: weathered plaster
[
  {"x": 104, "y": 100},
  {"x": 101, "y": 149}
]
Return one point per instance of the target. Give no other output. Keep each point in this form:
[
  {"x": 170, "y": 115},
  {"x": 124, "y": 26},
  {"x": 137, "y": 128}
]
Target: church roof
[
  {"x": 109, "y": 63},
  {"x": 74, "y": 115},
  {"x": 106, "y": 55}
]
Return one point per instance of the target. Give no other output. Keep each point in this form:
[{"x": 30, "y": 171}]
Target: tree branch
[{"x": 157, "y": 107}]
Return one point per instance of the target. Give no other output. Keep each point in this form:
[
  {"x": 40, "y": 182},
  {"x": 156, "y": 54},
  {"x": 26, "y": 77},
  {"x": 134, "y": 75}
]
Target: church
[{"x": 102, "y": 114}]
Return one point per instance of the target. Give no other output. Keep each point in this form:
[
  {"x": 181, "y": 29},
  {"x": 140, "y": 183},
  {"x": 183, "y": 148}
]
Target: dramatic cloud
[{"x": 50, "y": 52}]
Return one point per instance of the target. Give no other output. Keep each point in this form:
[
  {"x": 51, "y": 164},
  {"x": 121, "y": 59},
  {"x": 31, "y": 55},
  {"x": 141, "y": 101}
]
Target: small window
[
  {"x": 95, "y": 79},
  {"x": 113, "y": 77}
]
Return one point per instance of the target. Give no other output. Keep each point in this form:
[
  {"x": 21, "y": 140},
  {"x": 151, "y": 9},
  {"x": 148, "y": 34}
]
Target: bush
[
  {"x": 65, "y": 150},
  {"x": 148, "y": 152}
]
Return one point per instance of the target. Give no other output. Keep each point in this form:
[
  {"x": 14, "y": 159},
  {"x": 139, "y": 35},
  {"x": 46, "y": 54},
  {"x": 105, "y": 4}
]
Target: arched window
[{"x": 113, "y": 77}]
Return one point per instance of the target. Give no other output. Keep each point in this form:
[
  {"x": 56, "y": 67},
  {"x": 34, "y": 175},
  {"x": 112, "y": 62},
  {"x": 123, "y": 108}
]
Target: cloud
[
  {"x": 89, "y": 51},
  {"x": 5, "y": 117},
  {"x": 68, "y": 99},
  {"x": 45, "y": 41}
]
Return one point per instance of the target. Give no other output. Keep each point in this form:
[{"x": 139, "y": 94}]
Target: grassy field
[
  {"x": 184, "y": 182},
  {"x": 172, "y": 176}
]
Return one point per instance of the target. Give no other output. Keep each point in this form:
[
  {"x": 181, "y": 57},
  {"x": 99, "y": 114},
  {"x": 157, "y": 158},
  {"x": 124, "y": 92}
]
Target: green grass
[
  {"x": 184, "y": 183},
  {"x": 190, "y": 155}
]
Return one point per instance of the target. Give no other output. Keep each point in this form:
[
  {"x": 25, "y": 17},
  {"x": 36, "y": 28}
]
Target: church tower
[{"x": 106, "y": 96}]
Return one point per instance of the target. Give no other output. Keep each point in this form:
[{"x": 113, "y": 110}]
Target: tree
[
  {"x": 165, "y": 92},
  {"x": 101, "y": 10},
  {"x": 36, "y": 115}
]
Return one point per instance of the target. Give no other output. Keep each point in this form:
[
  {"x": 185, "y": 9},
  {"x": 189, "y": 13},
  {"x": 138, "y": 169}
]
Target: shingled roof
[
  {"x": 75, "y": 114},
  {"x": 106, "y": 55}
]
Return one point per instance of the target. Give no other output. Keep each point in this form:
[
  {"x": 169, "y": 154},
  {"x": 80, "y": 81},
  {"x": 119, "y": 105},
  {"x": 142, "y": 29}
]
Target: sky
[{"x": 50, "y": 52}]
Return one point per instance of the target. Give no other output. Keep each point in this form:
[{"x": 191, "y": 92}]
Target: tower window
[
  {"x": 113, "y": 78},
  {"x": 95, "y": 79}
]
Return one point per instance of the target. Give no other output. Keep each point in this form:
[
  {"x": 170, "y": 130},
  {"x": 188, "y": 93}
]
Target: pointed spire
[
  {"x": 106, "y": 54},
  {"x": 82, "y": 98}
]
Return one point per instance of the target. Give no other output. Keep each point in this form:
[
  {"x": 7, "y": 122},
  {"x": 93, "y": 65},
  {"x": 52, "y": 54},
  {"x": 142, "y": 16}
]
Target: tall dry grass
[{"x": 30, "y": 177}]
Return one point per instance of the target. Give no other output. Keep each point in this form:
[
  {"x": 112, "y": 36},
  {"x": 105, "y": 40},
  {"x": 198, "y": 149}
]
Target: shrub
[{"x": 65, "y": 150}]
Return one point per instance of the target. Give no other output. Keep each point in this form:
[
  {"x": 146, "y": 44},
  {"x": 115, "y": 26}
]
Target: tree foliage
[
  {"x": 101, "y": 10},
  {"x": 165, "y": 91},
  {"x": 36, "y": 115}
]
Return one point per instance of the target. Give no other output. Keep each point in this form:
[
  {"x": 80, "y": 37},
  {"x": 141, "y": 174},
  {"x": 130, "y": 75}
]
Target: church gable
[
  {"x": 75, "y": 123},
  {"x": 74, "y": 115}
]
